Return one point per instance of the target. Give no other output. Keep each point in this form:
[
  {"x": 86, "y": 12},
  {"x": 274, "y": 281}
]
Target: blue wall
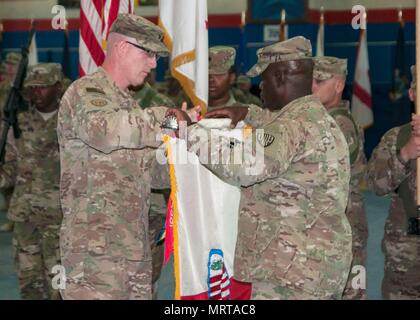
[{"x": 340, "y": 41}]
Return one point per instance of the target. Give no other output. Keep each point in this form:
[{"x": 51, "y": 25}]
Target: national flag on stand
[
  {"x": 399, "y": 76},
  {"x": 362, "y": 95},
  {"x": 185, "y": 25},
  {"x": 320, "y": 36},
  {"x": 96, "y": 18}
]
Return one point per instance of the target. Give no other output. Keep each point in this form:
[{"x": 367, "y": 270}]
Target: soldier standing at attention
[
  {"x": 392, "y": 171},
  {"x": 294, "y": 239},
  {"x": 32, "y": 164},
  {"x": 221, "y": 77},
  {"x": 108, "y": 166},
  {"x": 329, "y": 80}
]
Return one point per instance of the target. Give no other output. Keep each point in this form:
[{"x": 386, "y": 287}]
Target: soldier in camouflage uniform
[
  {"x": 294, "y": 239},
  {"x": 108, "y": 165},
  {"x": 10, "y": 69},
  {"x": 33, "y": 165},
  {"x": 243, "y": 83},
  {"x": 328, "y": 84},
  {"x": 392, "y": 171},
  {"x": 222, "y": 77}
]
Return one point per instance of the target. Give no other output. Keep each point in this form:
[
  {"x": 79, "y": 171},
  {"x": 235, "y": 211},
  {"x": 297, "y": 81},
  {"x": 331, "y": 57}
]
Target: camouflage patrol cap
[
  {"x": 13, "y": 57},
  {"x": 146, "y": 33},
  {"x": 326, "y": 67},
  {"x": 243, "y": 79},
  {"x": 221, "y": 59},
  {"x": 295, "y": 48},
  {"x": 413, "y": 77},
  {"x": 43, "y": 74}
]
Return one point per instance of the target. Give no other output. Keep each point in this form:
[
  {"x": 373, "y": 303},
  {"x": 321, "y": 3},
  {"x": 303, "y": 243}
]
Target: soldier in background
[
  {"x": 392, "y": 171},
  {"x": 33, "y": 165},
  {"x": 222, "y": 76},
  {"x": 175, "y": 92},
  {"x": 294, "y": 239},
  {"x": 243, "y": 83},
  {"x": 10, "y": 66},
  {"x": 328, "y": 85}
]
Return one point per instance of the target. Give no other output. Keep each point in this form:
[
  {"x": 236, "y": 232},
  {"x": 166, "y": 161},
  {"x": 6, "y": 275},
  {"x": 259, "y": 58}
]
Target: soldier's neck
[
  {"x": 334, "y": 103},
  {"x": 115, "y": 73},
  {"x": 219, "y": 102}
]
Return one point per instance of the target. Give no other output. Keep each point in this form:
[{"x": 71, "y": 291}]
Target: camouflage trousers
[
  {"x": 358, "y": 221},
  {"x": 262, "y": 290},
  {"x": 38, "y": 252},
  {"x": 157, "y": 217},
  {"x": 402, "y": 267},
  {"x": 90, "y": 277}
]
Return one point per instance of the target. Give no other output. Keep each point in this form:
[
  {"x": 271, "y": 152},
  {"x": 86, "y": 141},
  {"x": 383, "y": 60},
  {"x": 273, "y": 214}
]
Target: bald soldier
[
  {"x": 392, "y": 171},
  {"x": 108, "y": 165},
  {"x": 222, "y": 77},
  {"x": 32, "y": 164},
  {"x": 329, "y": 80},
  {"x": 294, "y": 240}
]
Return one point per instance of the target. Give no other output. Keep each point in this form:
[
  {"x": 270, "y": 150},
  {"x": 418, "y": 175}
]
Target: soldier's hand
[
  {"x": 236, "y": 114},
  {"x": 193, "y": 113},
  {"x": 411, "y": 150}
]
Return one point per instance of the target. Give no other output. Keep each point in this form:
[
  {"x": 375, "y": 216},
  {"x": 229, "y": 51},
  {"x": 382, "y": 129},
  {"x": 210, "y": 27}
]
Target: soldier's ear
[
  {"x": 339, "y": 85},
  {"x": 412, "y": 94}
]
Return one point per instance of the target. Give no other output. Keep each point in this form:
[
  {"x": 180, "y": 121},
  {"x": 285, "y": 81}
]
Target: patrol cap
[
  {"x": 243, "y": 79},
  {"x": 145, "y": 33},
  {"x": 43, "y": 74},
  {"x": 221, "y": 59},
  {"x": 13, "y": 57},
  {"x": 326, "y": 67},
  {"x": 295, "y": 48},
  {"x": 413, "y": 77}
]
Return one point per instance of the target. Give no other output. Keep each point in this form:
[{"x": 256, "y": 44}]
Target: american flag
[
  {"x": 219, "y": 283},
  {"x": 96, "y": 18}
]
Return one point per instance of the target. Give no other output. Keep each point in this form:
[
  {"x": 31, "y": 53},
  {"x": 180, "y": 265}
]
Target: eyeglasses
[{"x": 149, "y": 53}]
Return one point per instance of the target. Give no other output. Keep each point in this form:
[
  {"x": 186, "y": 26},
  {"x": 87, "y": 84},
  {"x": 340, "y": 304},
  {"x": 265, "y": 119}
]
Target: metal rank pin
[{"x": 170, "y": 122}]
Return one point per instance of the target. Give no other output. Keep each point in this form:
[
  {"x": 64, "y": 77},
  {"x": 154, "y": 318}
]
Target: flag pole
[
  {"x": 418, "y": 95},
  {"x": 282, "y": 33}
]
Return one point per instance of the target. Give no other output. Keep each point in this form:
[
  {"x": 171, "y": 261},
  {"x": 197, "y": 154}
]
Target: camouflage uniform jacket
[
  {"x": 33, "y": 166},
  {"x": 232, "y": 101},
  {"x": 148, "y": 96},
  {"x": 107, "y": 163},
  {"x": 386, "y": 174},
  {"x": 292, "y": 227},
  {"x": 246, "y": 97},
  {"x": 355, "y": 140}
]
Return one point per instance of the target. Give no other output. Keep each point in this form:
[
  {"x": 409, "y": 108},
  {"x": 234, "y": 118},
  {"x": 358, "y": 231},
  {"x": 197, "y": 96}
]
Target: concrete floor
[{"x": 377, "y": 211}]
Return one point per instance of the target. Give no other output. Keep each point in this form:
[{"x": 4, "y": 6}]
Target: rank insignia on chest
[
  {"x": 99, "y": 102},
  {"x": 265, "y": 139}
]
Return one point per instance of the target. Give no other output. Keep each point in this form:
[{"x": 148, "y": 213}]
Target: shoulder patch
[
  {"x": 99, "y": 102},
  {"x": 95, "y": 90},
  {"x": 265, "y": 139}
]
